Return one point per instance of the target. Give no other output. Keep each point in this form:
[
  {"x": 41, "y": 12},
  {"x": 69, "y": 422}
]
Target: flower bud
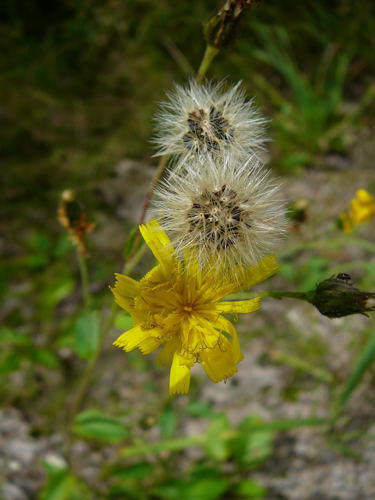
[
  {"x": 220, "y": 28},
  {"x": 337, "y": 297},
  {"x": 71, "y": 215}
]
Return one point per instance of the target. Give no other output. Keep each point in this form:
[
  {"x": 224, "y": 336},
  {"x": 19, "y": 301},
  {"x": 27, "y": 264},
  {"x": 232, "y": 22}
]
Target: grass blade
[{"x": 366, "y": 358}]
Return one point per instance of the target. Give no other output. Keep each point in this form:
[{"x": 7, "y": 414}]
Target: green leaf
[
  {"x": 62, "y": 485},
  {"x": 365, "y": 360},
  {"x": 9, "y": 337},
  {"x": 216, "y": 446},
  {"x": 201, "y": 489},
  {"x": 200, "y": 409},
  {"x": 249, "y": 489},
  {"x": 252, "y": 446},
  {"x": 45, "y": 357},
  {"x": 205, "y": 489},
  {"x": 86, "y": 334},
  {"x": 9, "y": 362},
  {"x": 140, "y": 470},
  {"x": 56, "y": 292},
  {"x": 94, "y": 424},
  {"x": 167, "y": 422},
  {"x": 123, "y": 321}
]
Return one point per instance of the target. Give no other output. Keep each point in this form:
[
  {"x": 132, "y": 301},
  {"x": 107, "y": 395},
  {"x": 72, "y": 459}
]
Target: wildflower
[
  {"x": 204, "y": 120},
  {"x": 177, "y": 305},
  {"x": 71, "y": 215},
  {"x": 228, "y": 212},
  {"x": 337, "y": 297},
  {"x": 362, "y": 208}
]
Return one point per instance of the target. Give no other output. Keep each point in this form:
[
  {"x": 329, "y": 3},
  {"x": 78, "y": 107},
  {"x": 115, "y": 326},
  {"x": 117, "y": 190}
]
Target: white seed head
[
  {"x": 228, "y": 213},
  {"x": 205, "y": 120}
]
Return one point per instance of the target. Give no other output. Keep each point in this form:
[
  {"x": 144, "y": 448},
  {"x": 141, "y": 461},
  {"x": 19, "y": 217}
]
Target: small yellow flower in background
[
  {"x": 362, "y": 208},
  {"x": 177, "y": 305}
]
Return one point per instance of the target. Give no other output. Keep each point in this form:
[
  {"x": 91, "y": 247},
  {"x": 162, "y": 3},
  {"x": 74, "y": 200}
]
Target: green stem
[
  {"x": 82, "y": 263},
  {"x": 182, "y": 443},
  {"x": 275, "y": 294},
  {"x": 209, "y": 55},
  {"x": 281, "y": 294},
  {"x": 157, "y": 176}
]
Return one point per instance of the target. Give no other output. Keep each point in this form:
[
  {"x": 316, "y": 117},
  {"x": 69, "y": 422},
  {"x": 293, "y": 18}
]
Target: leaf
[
  {"x": 62, "y": 485},
  {"x": 10, "y": 337},
  {"x": 252, "y": 446},
  {"x": 86, "y": 334},
  {"x": 94, "y": 424},
  {"x": 9, "y": 362},
  {"x": 216, "y": 446},
  {"x": 167, "y": 422},
  {"x": 45, "y": 357},
  {"x": 56, "y": 292},
  {"x": 366, "y": 358},
  {"x": 200, "y": 409},
  {"x": 249, "y": 489},
  {"x": 140, "y": 470},
  {"x": 202, "y": 489}
]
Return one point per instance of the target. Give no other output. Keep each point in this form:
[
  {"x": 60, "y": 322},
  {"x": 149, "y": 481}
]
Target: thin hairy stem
[
  {"x": 275, "y": 294},
  {"x": 82, "y": 263},
  {"x": 209, "y": 55}
]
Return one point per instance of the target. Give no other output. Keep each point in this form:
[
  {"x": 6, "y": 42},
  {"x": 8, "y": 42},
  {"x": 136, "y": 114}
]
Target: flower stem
[
  {"x": 157, "y": 176},
  {"x": 281, "y": 294},
  {"x": 83, "y": 270},
  {"x": 209, "y": 55},
  {"x": 275, "y": 294}
]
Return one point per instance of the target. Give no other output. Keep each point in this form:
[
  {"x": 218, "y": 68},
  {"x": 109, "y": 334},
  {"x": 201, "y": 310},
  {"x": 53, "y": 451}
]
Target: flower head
[
  {"x": 228, "y": 212},
  {"x": 362, "y": 208},
  {"x": 204, "y": 120},
  {"x": 177, "y": 305}
]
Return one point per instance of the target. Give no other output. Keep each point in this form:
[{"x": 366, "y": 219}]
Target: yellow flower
[
  {"x": 177, "y": 305},
  {"x": 362, "y": 208}
]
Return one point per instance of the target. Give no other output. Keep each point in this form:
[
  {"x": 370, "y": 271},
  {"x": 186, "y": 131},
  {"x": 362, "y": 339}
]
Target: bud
[
  {"x": 337, "y": 297},
  {"x": 71, "y": 215},
  {"x": 220, "y": 28}
]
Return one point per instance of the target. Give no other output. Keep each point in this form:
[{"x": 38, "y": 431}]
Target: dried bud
[
  {"x": 220, "y": 28},
  {"x": 337, "y": 297},
  {"x": 72, "y": 216}
]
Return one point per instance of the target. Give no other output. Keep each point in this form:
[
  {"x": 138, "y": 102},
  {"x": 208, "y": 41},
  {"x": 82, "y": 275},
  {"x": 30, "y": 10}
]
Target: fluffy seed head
[
  {"x": 205, "y": 120},
  {"x": 228, "y": 213}
]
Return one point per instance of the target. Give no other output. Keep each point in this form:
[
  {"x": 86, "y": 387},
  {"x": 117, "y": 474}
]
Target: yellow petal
[
  {"x": 125, "y": 290},
  {"x": 364, "y": 196},
  {"x": 238, "y": 306},
  {"x": 159, "y": 243},
  {"x": 148, "y": 345},
  {"x": 132, "y": 338},
  {"x": 259, "y": 272},
  {"x": 179, "y": 381},
  {"x": 219, "y": 363},
  {"x": 166, "y": 354},
  {"x": 223, "y": 324}
]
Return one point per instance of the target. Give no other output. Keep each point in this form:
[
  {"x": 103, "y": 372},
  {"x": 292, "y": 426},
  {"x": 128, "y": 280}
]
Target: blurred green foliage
[{"x": 79, "y": 85}]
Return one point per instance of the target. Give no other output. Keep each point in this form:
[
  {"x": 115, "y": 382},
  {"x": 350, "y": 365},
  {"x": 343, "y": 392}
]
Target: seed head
[
  {"x": 204, "y": 120},
  {"x": 226, "y": 213}
]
